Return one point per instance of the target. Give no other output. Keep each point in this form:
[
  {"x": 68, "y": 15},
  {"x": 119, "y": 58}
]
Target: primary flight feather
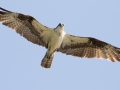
[{"x": 56, "y": 39}]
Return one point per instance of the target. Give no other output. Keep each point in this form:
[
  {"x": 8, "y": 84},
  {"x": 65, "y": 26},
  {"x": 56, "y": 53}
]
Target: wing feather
[
  {"x": 89, "y": 48},
  {"x": 26, "y": 26},
  {"x": 92, "y": 53},
  {"x": 79, "y": 51}
]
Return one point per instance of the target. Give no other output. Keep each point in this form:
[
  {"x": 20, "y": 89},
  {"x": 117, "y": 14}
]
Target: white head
[{"x": 60, "y": 26}]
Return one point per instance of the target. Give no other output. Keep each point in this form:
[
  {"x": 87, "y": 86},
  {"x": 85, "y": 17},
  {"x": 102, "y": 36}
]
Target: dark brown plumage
[
  {"x": 22, "y": 24},
  {"x": 90, "y": 49}
]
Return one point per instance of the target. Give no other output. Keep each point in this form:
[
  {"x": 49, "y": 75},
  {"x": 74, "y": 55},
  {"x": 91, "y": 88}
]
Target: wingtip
[
  {"x": 4, "y": 9},
  {"x": 1, "y": 8}
]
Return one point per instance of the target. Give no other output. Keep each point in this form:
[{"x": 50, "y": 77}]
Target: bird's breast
[{"x": 56, "y": 40}]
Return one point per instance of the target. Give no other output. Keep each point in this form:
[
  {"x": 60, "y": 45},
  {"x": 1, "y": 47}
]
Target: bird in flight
[{"x": 57, "y": 40}]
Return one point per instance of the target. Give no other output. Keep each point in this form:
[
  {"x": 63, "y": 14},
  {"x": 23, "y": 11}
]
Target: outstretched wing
[
  {"x": 26, "y": 26},
  {"x": 89, "y": 48}
]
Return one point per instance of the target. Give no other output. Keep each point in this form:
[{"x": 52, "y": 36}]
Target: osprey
[{"x": 57, "y": 40}]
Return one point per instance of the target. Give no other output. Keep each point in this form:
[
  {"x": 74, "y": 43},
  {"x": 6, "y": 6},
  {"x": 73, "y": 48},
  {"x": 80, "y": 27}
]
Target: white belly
[{"x": 56, "y": 40}]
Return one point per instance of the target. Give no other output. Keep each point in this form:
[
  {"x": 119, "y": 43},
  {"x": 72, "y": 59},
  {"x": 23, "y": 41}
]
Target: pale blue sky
[{"x": 20, "y": 60}]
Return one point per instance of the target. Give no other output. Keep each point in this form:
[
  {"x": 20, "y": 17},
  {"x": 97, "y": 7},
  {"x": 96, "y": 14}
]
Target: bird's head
[{"x": 60, "y": 26}]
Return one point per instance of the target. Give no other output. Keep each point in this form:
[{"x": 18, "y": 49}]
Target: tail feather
[{"x": 47, "y": 61}]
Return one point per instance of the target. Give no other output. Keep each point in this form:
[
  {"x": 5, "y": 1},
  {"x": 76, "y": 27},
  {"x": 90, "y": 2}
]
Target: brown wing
[
  {"x": 89, "y": 48},
  {"x": 26, "y": 26}
]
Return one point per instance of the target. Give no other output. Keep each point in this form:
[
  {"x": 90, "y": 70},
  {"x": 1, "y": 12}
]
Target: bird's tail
[{"x": 47, "y": 60}]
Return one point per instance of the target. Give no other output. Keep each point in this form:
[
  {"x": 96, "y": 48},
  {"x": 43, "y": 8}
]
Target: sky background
[{"x": 20, "y": 60}]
